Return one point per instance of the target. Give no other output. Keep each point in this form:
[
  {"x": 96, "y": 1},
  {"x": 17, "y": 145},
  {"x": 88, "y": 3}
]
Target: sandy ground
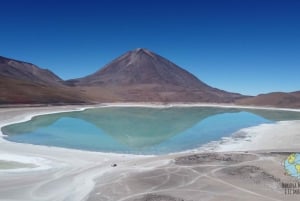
[{"x": 244, "y": 168}]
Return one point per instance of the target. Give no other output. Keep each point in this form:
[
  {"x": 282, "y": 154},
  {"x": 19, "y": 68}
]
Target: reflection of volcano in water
[
  {"x": 141, "y": 127},
  {"x": 106, "y": 129},
  {"x": 134, "y": 127}
]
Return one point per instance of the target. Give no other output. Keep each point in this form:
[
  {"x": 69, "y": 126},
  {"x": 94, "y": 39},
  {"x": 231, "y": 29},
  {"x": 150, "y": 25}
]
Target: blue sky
[{"x": 245, "y": 46}]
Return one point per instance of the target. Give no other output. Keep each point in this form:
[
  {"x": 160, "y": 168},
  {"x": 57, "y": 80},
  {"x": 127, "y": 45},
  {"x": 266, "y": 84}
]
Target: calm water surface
[{"x": 139, "y": 130}]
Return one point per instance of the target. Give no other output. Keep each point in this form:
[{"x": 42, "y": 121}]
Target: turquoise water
[{"x": 139, "y": 130}]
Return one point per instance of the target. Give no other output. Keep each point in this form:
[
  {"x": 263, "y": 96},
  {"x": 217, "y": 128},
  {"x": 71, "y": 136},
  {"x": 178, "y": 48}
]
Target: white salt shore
[
  {"x": 56, "y": 166},
  {"x": 283, "y": 135},
  {"x": 64, "y": 174}
]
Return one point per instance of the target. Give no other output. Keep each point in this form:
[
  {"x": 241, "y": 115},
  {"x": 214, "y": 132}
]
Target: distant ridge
[
  {"x": 20, "y": 70},
  {"x": 141, "y": 75},
  {"x": 25, "y": 83},
  {"x": 274, "y": 99}
]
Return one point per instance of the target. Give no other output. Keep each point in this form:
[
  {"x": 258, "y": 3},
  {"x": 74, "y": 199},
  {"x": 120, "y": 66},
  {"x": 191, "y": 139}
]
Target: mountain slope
[
  {"x": 27, "y": 72},
  {"x": 141, "y": 67},
  {"x": 141, "y": 75},
  {"x": 25, "y": 83},
  {"x": 275, "y": 99}
]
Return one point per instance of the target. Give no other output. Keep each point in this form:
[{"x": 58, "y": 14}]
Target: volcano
[{"x": 141, "y": 75}]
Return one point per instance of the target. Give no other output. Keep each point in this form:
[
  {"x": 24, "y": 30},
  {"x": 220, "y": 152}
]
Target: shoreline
[
  {"x": 285, "y": 136},
  {"x": 50, "y": 161},
  {"x": 88, "y": 166},
  {"x": 149, "y": 104},
  {"x": 224, "y": 144}
]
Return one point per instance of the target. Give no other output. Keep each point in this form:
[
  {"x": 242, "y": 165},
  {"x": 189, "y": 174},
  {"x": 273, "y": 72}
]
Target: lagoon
[{"x": 140, "y": 130}]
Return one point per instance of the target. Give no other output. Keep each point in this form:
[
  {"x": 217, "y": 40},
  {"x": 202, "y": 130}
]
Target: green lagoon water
[{"x": 138, "y": 130}]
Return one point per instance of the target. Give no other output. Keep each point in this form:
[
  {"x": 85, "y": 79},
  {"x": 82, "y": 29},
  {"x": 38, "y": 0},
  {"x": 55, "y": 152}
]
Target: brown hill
[
  {"x": 25, "y": 83},
  {"x": 141, "y": 75},
  {"x": 27, "y": 72},
  {"x": 275, "y": 99}
]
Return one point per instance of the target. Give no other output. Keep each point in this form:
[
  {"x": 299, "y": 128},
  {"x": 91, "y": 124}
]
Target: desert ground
[{"x": 242, "y": 168}]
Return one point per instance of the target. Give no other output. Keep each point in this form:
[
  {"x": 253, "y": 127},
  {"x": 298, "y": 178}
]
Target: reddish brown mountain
[
  {"x": 24, "y": 71},
  {"x": 275, "y": 99},
  {"x": 141, "y": 75},
  {"x": 25, "y": 83},
  {"x": 141, "y": 66}
]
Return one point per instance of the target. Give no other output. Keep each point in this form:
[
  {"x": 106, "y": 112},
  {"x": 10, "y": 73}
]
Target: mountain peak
[
  {"x": 142, "y": 75},
  {"x": 142, "y": 51},
  {"x": 141, "y": 66},
  {"x": 139, "y": 49}
]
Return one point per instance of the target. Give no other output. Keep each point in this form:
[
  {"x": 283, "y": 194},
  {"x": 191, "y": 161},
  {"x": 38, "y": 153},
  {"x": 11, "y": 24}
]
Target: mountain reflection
[
  {"x": 132, "y": 127},
  {"x": 141, "y": 127}
]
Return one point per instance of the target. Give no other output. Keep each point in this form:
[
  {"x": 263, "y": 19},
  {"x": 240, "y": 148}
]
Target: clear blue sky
[{"x": 245, "y": 46}]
